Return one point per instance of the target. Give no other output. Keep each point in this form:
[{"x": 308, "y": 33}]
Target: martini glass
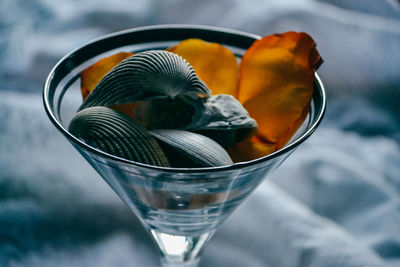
[{"x": 180, "y": 207}]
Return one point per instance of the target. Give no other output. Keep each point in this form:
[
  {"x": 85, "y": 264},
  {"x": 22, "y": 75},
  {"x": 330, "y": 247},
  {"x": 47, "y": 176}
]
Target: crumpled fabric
[{"x": 333, "y": 202}]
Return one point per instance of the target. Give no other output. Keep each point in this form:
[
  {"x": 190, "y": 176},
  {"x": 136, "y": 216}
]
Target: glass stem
[{"x": 180, "y": 251}]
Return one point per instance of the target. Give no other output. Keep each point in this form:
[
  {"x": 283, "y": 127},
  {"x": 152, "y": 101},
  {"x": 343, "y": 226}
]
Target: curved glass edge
[{"x": 240, "y": 39}]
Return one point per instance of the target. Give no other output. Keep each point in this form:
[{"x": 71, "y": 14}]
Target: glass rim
[{"x": 319, "y": 94}]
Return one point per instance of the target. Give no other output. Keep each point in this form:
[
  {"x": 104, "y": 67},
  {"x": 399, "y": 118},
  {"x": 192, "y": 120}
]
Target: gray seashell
[
  {"x": 222, "y": 112},
  {"x": 201, "y": 150},
  {"x": 118, "y": 134},
  {"x": 219, "y": 112},
  {"x": 148, "y": 75},
  {"x": 221, "y": 117},
  {"x": 224, "y": 120},
  {"x": 166, "y": 113}
]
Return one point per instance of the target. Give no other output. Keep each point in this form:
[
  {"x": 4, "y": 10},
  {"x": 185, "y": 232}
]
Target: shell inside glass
[{"x": 178, "y": 201}]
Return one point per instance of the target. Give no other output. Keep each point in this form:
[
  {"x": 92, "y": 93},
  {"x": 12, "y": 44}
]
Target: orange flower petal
[
  {"x": 250, "y": 149},
  {"x": 215, "y": 64},
  {"x": 92, "y": 75},
  {"x": 276, "y": 83}
]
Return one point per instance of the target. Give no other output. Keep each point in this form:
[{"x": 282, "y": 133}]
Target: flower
[{"x": 273, "y": 81}]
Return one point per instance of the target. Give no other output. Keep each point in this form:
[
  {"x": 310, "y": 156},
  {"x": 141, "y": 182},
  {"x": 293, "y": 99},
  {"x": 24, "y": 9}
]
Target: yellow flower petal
[
  {"x": 276, "y": 83},
  {"x": 215, "y": 64}
]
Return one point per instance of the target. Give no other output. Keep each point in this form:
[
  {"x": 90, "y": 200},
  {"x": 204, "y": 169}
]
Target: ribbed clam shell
[
  {"x": 118, "y": 134},
  {"x": 148, "y": 75},
  {"x": 201, "y": 150}
]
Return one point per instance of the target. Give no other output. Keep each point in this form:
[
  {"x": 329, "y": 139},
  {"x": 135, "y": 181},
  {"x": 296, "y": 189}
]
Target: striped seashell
[
  {"x": 118, "y": 134},
  {"x": 148, "y": 75},
  {"x": 187, "y": 149}
]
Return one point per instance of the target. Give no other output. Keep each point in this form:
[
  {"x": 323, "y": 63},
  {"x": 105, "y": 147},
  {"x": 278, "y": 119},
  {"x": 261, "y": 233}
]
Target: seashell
[
  {"x": 166, "y": 113},
  {"x": 193, "y": 148},
  {"x": 149, "y": 75},
  {"x": 118, "y": 134},
  {"x": 224, "y": 119},
  {"x": 221, "y": 115},
  {"x": 222, "y": 112}
]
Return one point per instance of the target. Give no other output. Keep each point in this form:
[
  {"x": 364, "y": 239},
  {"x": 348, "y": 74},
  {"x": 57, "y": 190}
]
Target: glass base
[
  {"x": 180, "y": 251},
  {"x": 193, "y": 263}
]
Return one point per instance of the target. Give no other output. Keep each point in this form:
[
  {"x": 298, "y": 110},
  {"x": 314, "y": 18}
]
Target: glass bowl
[{"x": 180, "y": 207}]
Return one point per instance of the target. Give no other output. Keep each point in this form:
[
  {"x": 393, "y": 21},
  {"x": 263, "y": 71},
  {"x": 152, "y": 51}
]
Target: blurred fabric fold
[{"x": 334, "y": 202}]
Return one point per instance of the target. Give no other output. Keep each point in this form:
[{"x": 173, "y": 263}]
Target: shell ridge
[
  {"x": 136, "y": 135},
  {"x": 204, "y": 150},
  {"x": 117, "y": 134},
  {"x": 144, "y": 76}
]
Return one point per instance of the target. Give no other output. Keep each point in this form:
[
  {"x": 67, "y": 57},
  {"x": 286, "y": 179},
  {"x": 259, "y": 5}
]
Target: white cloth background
[{"x": 334, "y": 202}]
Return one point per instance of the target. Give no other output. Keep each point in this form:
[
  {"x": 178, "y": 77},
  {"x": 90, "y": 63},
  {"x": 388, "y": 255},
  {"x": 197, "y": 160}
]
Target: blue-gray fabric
[{"x": 334, "y": 202}]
